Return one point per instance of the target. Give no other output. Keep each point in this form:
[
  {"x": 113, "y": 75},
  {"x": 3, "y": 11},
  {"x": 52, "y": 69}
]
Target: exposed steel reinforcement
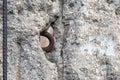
[{"x": 4, "y": 39}]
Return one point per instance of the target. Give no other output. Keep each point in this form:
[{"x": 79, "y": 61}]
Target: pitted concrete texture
[
  {"x": 92, "y": 47},
  {"x": 87, "y": 41}
]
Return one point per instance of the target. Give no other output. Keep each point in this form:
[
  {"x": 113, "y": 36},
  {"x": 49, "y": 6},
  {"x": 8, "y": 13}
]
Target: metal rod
[{"x": 4, "y": 39}]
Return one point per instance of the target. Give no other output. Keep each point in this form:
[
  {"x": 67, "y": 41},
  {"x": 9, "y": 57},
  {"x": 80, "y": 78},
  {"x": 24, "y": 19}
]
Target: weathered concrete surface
[
  {"x": 92, "y": 45},
  {"x": 87, "y": 41},
  {"x": 26, "y": 59}
]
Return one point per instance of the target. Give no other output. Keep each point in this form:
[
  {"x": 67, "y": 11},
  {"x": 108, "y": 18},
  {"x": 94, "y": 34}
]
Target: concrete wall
[{"x": 87, "y": 41}]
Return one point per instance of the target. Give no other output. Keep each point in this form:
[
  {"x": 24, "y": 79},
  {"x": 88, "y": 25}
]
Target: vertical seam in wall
[{"x": 61, "y": 52}]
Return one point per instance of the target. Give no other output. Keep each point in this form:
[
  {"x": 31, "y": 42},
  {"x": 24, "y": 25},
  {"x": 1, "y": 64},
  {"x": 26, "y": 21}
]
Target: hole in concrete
[
  {"x": 109, "y": 1},
  {"x": 71, "y": 4},
  {"x": 117, "y": 11}
]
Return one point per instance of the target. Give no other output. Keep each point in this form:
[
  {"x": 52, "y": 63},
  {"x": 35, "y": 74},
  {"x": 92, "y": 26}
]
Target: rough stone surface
[{"x": 87, "y": 41}]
